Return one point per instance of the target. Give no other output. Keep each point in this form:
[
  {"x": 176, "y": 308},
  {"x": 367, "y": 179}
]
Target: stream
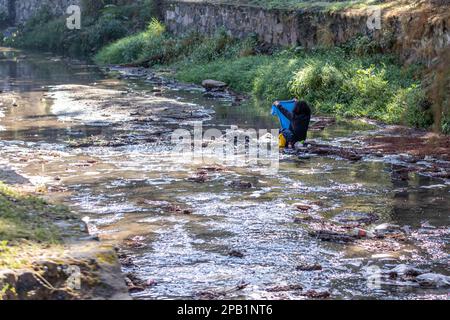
[{"x": 100, "y": 143}]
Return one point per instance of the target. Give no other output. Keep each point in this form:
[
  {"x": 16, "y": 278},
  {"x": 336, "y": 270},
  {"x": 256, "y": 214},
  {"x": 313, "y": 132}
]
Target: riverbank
[{"x": 46, "y": 252}]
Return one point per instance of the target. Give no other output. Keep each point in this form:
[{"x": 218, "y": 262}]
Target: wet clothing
[{"x": 298, "y": 129}]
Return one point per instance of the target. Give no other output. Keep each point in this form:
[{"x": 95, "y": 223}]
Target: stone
[
  {"x": 317, "y": 294},
  {"x": 302, "y": 206},
  {"x": 433, "y": 280},
  {"x": 236, "y": 253},
  {"x": 355, "y": 218},
  {"x": 210, "y": 84},
  {"x": 332, "y": 236},
  {"x": 308, "y": 267},
  {"x": 404, "y": 270},
  {"x": 388, "y": 229},
  {"x": 240, "y": 184},
  {"x": 289, "y": 287}
]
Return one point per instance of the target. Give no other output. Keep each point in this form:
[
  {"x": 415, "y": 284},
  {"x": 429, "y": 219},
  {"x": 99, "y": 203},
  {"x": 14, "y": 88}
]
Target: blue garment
[
  {"x": 288, "y": 135},
  {"x": 288, "y": 105}
]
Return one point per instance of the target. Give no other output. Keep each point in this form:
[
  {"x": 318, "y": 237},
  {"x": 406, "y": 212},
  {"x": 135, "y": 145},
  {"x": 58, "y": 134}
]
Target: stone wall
[
  {"x": 272, "y": 26},
  {"x": 416, "y": 35},
  {"x": 20, "y": 11}
]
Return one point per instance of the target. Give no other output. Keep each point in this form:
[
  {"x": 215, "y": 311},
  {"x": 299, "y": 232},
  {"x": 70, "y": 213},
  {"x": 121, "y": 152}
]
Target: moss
[{"x": 106, "y": 257}]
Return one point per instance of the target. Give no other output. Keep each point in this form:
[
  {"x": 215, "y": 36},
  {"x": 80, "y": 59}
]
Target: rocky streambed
[{"x": 357, "y": 212}]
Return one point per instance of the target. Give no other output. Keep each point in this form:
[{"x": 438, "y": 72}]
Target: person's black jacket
[{"x": 299, "y": 122}]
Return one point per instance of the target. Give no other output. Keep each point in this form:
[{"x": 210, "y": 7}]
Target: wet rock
[
  {"x": 136, "y": 284},
  {"x": 236, "y": 253},
  {"x": 327, "y": 150},
  {"x": 178, "y": 209},
  {"x": 210, "y": 295},
  {"x": 317, "y": 294},
  {"x": 441, "y": 174},
  {"x": 353, "y": 156},
  {"x": 400, "y": 172},
  {"x": 290, "y": 287},
  {"x": 308, "y": 218},
  {"x": 29, "y": 286},
  {"x": 308, "y": 267},
  {"x": 60, "y": 294},
  {"x": 126, "y": 261},
  {"x": 332, "y": 236},
  {"x": 212, "y": 168},
  {"x": 427, "y": 225},
  {"x": 433, "y": 280},
  {"x": 404, "y": 271},
  {"x": 302, "y": 206},
  {"x": 153, "y": 203},
  {"x": 210, "y": 84},
  {"x": 200, "y": 176},
  {"x": 135, "y": 242},
  {"x": 238, "y": 184},
  {"x": 321, "y": 123},
  {"x": 388, "y": 230},
  {"x": 356, "y": 218}
]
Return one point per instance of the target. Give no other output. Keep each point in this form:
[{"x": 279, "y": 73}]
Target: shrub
[
  {"x": 102, "y": 24},
  {"x": 445, "y": 124},
  {"x": 131, "y": 48},
  {"x": 4, "y": 18}
]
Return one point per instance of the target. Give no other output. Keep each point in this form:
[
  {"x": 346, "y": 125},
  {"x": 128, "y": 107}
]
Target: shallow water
[{"x": 125, "y": 191}]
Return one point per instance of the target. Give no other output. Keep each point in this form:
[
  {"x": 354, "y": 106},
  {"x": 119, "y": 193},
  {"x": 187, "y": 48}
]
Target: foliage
[
  {"x": 102, "y": 23},
  {"x": 4, "y": 18}
]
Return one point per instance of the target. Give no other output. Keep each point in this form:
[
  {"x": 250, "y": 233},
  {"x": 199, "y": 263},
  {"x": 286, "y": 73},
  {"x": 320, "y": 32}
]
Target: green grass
[
  {"x": 26, "y": 217},
  {"x": 27, "y": 229}
]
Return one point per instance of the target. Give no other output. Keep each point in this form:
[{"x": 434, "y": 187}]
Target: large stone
[{"x": 210, "y": 84}]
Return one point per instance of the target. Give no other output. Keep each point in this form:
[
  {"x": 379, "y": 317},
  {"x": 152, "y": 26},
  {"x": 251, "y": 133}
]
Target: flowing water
[{"x": 128, "y": 191}]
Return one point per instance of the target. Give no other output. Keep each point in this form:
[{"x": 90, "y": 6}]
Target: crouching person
[{"x": 299, "y": 118}]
